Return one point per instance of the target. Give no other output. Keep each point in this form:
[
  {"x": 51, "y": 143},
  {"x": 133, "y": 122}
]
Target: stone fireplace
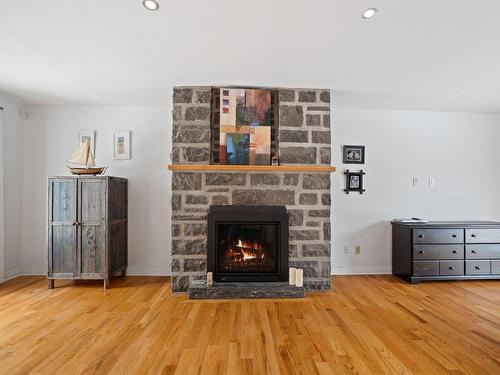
[{"x": 302, "y": 138}]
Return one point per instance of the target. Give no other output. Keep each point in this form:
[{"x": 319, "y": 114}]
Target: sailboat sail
[
  {"x": 81, "y": 155},
  {"x": 90, "y": 160}
]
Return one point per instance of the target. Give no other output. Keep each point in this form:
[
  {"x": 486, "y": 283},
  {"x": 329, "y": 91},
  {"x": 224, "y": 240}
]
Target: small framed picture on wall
[
  {"x": 121, "y": 145},
  {"x": 87, "y": 135},
  {"x": 353, "y": 154},
  {"x": 354, "y": 181}
]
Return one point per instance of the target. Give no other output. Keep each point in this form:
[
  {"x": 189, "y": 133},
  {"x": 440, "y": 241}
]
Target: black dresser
[{"x": 438, "y": 250}]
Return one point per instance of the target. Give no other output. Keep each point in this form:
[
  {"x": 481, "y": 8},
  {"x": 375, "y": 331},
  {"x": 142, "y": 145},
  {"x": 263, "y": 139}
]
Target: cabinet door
[
  {"x": 92, "y": 227},
  {"x": 62, "y": 227}
]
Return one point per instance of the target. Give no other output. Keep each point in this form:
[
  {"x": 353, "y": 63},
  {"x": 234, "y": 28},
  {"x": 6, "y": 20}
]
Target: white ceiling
[{"x": 415, "y": 54}]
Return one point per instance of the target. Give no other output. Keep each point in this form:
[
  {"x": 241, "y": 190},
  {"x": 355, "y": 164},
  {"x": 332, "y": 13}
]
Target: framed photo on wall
[
  {"x": 353, "y": 154},
  {"x": 121, "y": 147},
  {"x": 354, "y": 181},
  {"x": 87, "y": 135}
]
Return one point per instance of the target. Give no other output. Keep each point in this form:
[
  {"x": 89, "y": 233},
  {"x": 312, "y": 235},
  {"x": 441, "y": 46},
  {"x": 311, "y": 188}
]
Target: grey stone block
[
  {"x": 176, "y": 202},
  {"x": 225, "y": 179},
  {"x": 196, "y": 199},
  {"x": 191, "y": 134},
  {"x": 327, "y": 229},
  {"x": 326, "y": 199},
  {"x": 197, "y": 114},
  {"x": 186, "y": 181},
  {"x": 263, "y": 197},
  {"x": 218, "y": 190},
  {"x": 286, "y": 95},
  {"x": 195, "y": 229},
  {"x": 220, "y": 200},
  {"x": 196, "y": 154},
  {"x": 299, "y": 136},
  {"x": 307, "y": 96},
  {"x": 304, "y": 235},
  {"x": 318, "y": 181},
  {"x": 291, "y": 179},
  {"x": 321, "y": 137},
  {"x": 175, "y": 155},
  {"x": 180, "y": 283},
  {"x": 189, "y": 247},
  {"x": 264, "y": 179},
  {"x": 176, "y": 265},
  {"x": 295, "y": 218},
  {"x": 326, "y": 121},
  {"x": 177, "y": 113},
  {"x": 325, "y": 154},
  {"x": 312, "y": 268},
  {"x": 298, "y": 155},
  {"x": 183, "y": 95},
  {"x": 313, "y": 224},
  {"x": 202, "y": 95},
  {"x": 176, "y": 230},
  {"x": 318, "y": 285},
  {"x": 319, "y": 213},
  {"x": 308, "y": 198},
  {"x": 193, "y": 265},
  {"x": 325, "y": 96},
  {"x": 313, "y": 120},
  {"x": 291, "y": 115},
  {"x": 293, "y": 250},
  {"x": 315, "y": 250},
  {"x": 319, "y": 108}
]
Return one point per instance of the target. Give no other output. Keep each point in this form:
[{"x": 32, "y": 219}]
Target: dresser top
[{"x": 449, "y": 224}]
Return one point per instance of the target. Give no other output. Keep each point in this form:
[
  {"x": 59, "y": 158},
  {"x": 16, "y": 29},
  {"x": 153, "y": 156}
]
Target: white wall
[
  {"x": 51, "y": 137},
  {"x": 460, "y": 150},
  {"x": 12, "y": 141}
]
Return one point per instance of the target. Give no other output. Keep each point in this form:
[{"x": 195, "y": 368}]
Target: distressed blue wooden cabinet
[{"x": 87, "y": 228}]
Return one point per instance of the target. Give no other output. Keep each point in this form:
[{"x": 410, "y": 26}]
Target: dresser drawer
[
  {"x": 482, "y": 251},
  {"x": 438, "y": 236},
  {"x": 495, "y": 267},
  {"x": 425, "y": 268},
  {"x": 482, "y": 235},
  {"x": 477, "y": 267},
  {"x": 421, "y": 252},
  {"x": 451, "y": 267}
]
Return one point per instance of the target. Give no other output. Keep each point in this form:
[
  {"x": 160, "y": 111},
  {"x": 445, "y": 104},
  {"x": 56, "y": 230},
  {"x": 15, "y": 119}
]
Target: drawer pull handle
[
  {"x": 421, "y": 252},
  {"x": 478, "y": 268},
  {"x": 420, "y": 236},
  {"x": 473, "y": 251},
  {"x": 451, "y": 268},
  {"x": 473, "y": 235},
  {"x": 455, "y": 252},
  {"x": 454, "y": 235}
]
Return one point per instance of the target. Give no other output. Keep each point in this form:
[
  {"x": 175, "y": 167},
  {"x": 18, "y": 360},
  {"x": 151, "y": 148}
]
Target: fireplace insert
[{"x": 248, "y": 243}]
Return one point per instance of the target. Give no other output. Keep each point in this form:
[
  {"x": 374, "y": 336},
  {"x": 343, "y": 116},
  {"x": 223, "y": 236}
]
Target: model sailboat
[{"x": 83, "y": 157}]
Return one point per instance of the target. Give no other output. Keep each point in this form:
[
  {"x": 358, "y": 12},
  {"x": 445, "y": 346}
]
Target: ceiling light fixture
[
  {"x": 368, "y": 13},
  {"x": 151, "y": 4}
]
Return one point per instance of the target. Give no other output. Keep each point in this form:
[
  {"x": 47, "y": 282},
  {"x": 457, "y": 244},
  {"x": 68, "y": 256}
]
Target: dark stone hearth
[
  {"x": 308, "y": 198},
  {"x": 226, "y": 179},
  {"x": 321, "y": 137},
  {"x": 197, "y": 114},
  {"x": 192, "y": 229},
  {"x": 186, "y": 181},
  {"x": 196, "y": 154},
  {"x": 307, "y": 96},
  {"x": 292, "y": 116},
  {"x": 298, "y": 155},
  {"x": 199, "y": 290},
  {"x": 189, "y": 247},
  {"x": 263, "y": 197},
  {"x": 264, "y": 179},
  {"x": 286, "y": 95},
  {"x": 316, "y": 182},
  {"x": 183, "y": 95},
  {"x": 291, "y": 179},
  {"x": 325, "y": 96},
  {"x": 191, "y": 134},
  {"x": 313, "y": 120},
  {"x": 298, "y": 136}
]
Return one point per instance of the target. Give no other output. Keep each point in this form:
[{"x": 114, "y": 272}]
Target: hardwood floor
[{"x": 367, "y": 324}]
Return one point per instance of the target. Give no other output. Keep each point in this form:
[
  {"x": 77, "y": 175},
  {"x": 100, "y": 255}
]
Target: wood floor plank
[{"x": 365, "y": 325}]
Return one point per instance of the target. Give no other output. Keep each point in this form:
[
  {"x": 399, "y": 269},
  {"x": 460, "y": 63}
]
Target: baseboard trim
[
  {"x": 28, "y": 271},
  {"x": 148, "y": 271},
  {"x": 362, "y": 270},
  {"x": 8, "y": 275}
]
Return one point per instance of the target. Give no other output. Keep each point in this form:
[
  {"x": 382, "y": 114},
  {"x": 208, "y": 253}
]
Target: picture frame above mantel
[{"x": 252, "y": 168}]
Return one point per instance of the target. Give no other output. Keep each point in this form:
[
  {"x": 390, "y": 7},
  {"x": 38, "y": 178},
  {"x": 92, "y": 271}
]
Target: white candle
[
  {"x": 210, "y": 279},
  {"x": 291, "y": 275},
  {"x": 299, "y": 277}
]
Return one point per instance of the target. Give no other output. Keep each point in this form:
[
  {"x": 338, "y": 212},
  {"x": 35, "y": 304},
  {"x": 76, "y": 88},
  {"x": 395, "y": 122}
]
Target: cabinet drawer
[
  {"x": 477, "y": 267},
  {"x": 421, "y": 252},
  {"x": 438, "y": 236},
  {"x": 425, "y": 268},
  {"x": 482, "y": 235},
  {"x": 452, "y": 267},
  {"x": 483, "y": 251},
  {"x": 495, "y": 267}
]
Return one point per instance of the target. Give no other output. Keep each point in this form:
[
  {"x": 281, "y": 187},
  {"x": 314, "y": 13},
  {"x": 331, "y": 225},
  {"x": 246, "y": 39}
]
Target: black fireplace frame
[{"x": 248, "y": 214}]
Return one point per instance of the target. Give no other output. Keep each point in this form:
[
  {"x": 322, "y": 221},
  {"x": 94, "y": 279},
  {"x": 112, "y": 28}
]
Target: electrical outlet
[
  {"x": 357, "y": 250},
  {"x": 432, "y": 182},
  {"x": 346, "y": 249},
  {"x": 414, "y": 181}
]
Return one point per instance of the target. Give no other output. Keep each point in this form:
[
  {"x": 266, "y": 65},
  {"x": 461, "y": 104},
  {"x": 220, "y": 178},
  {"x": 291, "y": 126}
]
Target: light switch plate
[
  {"x": 432, "y": 182},
  {"x": 414, "y": 181}
]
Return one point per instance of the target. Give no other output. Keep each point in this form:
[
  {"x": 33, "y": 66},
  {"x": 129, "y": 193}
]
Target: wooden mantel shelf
[{"x": 252, "y": 168}]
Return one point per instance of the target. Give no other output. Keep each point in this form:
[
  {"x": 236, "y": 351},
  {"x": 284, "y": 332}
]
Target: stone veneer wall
[{"x": 304, "y": 138}]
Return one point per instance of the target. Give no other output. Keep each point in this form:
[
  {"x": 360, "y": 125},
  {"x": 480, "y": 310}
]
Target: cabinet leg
[
  {"x": 106, "y": 284},
  {"x": 124, "y": 272},
  {"x": 51, "y": 284}
]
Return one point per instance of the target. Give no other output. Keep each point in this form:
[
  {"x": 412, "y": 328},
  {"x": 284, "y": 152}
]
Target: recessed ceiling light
[
  {"x": 368, "y": 13},
  {"x": 151, "y": 4}
]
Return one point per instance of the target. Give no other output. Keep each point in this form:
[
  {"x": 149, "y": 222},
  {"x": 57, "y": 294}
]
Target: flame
[{"x": 244, "y": 251}]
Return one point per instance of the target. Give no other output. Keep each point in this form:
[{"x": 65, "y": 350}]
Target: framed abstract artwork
[
  {"x": 354, "y": 181},
  {"x": 353, "y": 154}
]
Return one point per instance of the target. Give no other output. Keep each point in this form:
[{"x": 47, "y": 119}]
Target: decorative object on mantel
[
  {"x": 354, "y": 181},
  {"x": 246, "y": 117},
  {"x": 210, "y": 278},
  {"x": 299, "y": 277},
  {"x": 121, "y": 145},
  {"x": 274, "y": 160},
  {"x": 353, "y": 154},
  {"x": 291, "y": 275},
  {"x": 87, "y": 135},
  {"x": 84, "y": 157}
]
